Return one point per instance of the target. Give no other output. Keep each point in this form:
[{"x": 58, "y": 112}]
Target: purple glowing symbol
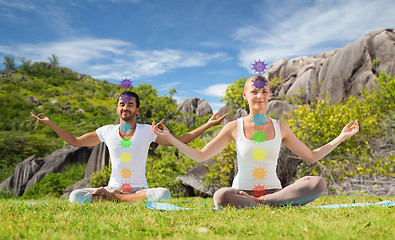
[
  {"x": 260, "y": 66},
  {"x": 126, "y": 83}
]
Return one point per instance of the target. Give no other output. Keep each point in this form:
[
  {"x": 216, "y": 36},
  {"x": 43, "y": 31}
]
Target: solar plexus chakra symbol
[
  {"x": 126, "y": 143},
  {"x": 259, "y": 155},
  {"x": 259, "y": 119},
  {"x": 126, "y": 157},
  {"x": 259, "y": 66},
  {"x": 126, "y": 188},
  {"x": 259, "y": 173},
  {"x": 259, "y": 137},
  {"x": 259, "y": 190},
  {"x": 126, "y": 83},
  {"x": 126, "y": 127},
  {"x": 126, "y": 173}
]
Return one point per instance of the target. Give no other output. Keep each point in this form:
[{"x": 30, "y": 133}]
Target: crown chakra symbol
[
  {"x": 126, "y": 83},
  {"x": 259, "y": 66}
]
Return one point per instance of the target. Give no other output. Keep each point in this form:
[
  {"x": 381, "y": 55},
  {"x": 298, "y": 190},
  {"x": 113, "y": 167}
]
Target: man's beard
[{"x": 126, "y": 118}]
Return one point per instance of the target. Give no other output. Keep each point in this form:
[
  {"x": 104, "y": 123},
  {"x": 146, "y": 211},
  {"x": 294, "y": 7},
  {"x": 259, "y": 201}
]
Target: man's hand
[
  {"x": 165, "y": 133},
  {"x": 45, "y": 120},
  {"x": 213, "y": 121}
]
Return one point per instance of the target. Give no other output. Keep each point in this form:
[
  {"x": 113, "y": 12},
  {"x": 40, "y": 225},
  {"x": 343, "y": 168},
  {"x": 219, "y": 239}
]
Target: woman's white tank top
[{"x": 257, "y": 161}]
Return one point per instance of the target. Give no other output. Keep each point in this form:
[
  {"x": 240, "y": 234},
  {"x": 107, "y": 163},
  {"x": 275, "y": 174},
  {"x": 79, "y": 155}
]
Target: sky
[{"x": 197, "y": 47}]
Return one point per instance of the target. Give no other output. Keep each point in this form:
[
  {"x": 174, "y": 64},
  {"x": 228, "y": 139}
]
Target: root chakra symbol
[
  {"x": 126, "y": 173},
  {"x": 259, "y": 155},
  {"x": 259, "y": 173},
  {"x": 126, "y": 188},
  {"x": 259, "y": 190}
]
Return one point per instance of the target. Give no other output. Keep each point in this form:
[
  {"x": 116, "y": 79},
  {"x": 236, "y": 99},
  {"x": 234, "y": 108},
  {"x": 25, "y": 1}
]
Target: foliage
[
  {"x": 9, "y": 63},
  {"x": 234, "y": 95},
  {"x": 54, "y": 60},
  {"x": 222, "y": 173},
  {"x": 101, "y": 178},
  {"x": 321, "y": 122},
  {"x": 58, "y": 219},
  {"x": 54, "y": 184}
]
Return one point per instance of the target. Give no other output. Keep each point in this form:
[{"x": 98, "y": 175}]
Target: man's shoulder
[{"x": 107, "y": 127}]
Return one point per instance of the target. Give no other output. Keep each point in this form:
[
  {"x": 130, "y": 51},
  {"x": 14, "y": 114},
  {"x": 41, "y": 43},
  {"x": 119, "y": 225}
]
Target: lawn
[{"x": 58, "y": 219}]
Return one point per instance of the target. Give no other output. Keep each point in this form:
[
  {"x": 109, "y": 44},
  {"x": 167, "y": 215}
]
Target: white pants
[{"x": 85, "y": 195}]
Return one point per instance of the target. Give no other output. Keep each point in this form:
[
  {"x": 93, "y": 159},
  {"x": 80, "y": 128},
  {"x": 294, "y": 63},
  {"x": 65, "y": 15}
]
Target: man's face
[{"x": 127, "y": 110}]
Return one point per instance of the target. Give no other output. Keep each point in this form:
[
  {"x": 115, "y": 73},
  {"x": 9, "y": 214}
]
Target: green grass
[{"x": 58, "y": 219}]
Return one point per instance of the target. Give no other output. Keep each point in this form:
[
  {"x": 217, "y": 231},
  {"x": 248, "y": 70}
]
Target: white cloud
[
  {"x": 111, "y": 58},
  {"x": 312, "y": 30},
  {"x": 217, "y": 90}
]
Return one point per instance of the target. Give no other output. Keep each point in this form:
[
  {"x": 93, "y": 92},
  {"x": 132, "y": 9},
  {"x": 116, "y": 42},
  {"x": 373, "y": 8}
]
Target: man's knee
[
  {"x": 80, "y": 196},
  {"x": 158, "y": 194}
]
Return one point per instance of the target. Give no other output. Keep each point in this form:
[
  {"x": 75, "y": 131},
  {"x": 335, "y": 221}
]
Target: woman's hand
[
  {"x": 164, "y": 133},
  {"x": 255, "y": 199},
  {"x": 350, "y": 129},
  {"x": 213, "y": 121},
  {"x": 45, "y": 120}
]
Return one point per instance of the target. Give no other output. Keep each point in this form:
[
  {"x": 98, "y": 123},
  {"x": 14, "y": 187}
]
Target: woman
[{"x": 258, "y": 139}]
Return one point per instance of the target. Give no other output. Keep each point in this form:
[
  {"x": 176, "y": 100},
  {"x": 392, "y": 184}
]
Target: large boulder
[
  {"x": 32, "y": 170},
  {"x": 339, "y": 73},
  {"x": 196, "y": 106}
]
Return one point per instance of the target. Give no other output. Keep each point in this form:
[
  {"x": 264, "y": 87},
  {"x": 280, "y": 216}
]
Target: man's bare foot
[{"x": 103, "y": 194}]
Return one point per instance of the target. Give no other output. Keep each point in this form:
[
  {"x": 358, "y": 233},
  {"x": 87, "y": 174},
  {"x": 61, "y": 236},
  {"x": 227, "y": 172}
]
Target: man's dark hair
[{"x": 131, "y": 94}]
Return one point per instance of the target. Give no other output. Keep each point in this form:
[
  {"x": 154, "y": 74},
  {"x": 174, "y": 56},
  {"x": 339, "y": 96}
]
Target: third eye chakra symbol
[
  {"x": 260, "y": 66},
  {"x": 126, "y": 83}
]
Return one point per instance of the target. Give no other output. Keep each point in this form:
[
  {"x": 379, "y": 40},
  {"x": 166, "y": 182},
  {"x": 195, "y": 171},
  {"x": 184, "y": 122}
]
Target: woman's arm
[
  {"x": 300, "y": 149},
  {"x": 211, "y": 149},
  {"x": 213, "y": 121}
]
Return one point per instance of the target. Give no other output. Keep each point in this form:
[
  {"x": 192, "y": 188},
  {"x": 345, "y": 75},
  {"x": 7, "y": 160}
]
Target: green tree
[
  {"x": 9, "y": 63},
  {"x": 26, "y": 64},
  {"x": 54, "y": 60},
  {"x": 234, "y": 95}
]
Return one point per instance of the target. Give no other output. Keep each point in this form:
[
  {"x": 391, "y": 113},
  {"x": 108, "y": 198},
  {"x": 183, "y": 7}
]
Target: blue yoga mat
[{"x": 170, "y": 207}]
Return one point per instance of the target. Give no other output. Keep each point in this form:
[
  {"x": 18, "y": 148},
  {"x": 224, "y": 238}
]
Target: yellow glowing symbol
[
  {"x": 259, "y": 173},
  {"x": 126, "y": 157},
  {"x": 259, "y": 154},
  {"x": 126, "y": 173}
]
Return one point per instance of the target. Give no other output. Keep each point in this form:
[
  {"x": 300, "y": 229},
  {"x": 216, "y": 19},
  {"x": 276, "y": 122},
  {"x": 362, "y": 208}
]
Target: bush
[{"x": 54, "y": 184}]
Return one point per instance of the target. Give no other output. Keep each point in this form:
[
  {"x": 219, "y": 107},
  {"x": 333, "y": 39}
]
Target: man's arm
[
  {"x": 88, "y": 139},
  {"x": 194, "y": 133}
]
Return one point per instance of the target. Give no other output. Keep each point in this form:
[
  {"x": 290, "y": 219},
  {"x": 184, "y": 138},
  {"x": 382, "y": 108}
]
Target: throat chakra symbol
[
  {"x": 259, "y": 137},
  {"x": 126, "y": 128},
  {"x": 260, "y": 66},
  {"x": 126, "y": 83},
  {"x": 126, "y": 188},
  {"x": 259, "y": 155},
  {"x": 126, "y": 143},
  {"x": 259, "y": 119},
  {"x": 259, "y": 190}
]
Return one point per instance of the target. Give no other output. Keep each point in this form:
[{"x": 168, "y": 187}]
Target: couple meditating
[{"x": 257, "y": 137}]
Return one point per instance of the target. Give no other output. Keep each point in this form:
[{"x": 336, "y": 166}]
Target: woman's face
[{"x": 257, "y": 97}]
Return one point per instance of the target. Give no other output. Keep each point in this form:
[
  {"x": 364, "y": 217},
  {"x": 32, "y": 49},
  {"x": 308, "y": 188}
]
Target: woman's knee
[
  {"x": 316, "y": 183},
  {"x": 223, "y": 195}
]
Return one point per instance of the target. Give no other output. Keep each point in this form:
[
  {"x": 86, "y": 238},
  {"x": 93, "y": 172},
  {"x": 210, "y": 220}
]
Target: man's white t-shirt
[{"x": 128, "y": 158}]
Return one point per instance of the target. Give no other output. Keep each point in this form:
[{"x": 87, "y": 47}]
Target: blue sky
[{"x": 198, "y": 47}]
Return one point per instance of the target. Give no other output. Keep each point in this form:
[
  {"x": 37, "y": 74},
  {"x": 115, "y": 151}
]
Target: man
[{"x": 128, "y": 144}]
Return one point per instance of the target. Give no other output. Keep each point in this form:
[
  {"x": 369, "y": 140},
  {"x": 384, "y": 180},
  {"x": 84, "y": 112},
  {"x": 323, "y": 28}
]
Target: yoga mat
[
  {"x": 170, "y": 207},
  {"x": 164, "y": 206}
]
